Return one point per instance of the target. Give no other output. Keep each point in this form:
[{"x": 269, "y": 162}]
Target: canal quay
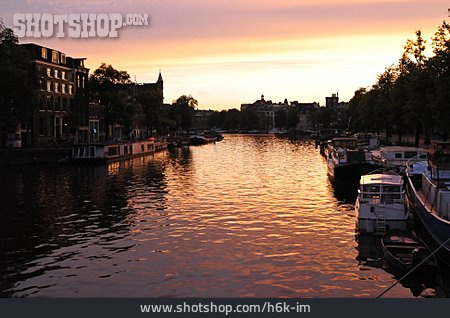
[{"x": 250, "y": 216}]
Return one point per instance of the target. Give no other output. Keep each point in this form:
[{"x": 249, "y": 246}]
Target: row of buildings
[
  {"x": 267, "y": 110},
  {"x": 63, "y": 110}
]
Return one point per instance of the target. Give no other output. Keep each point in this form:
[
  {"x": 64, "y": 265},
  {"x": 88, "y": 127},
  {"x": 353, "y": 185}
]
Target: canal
[{"x": 250, "y": 216}]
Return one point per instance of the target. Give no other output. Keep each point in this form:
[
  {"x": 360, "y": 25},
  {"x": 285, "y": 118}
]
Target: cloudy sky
[{"x": 227, "y": 52}]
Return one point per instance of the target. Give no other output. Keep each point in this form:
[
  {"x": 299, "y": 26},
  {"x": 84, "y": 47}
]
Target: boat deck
[{"x": 423, "y": 199}]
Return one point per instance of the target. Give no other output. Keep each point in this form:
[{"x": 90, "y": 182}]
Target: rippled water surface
[{"x": 250, "y": 216}]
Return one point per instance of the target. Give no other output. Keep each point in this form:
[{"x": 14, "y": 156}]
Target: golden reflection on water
[{"x": 250, "y": 216}]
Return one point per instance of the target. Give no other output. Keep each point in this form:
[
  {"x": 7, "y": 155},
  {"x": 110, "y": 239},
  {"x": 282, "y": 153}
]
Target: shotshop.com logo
[{"x": 84, "y": 25}]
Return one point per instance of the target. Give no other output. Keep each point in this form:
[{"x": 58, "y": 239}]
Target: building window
[
  {"x": 56, "y": 73},
  {"x": 41, "y": 126},
  {"x": 55, "y": 57},
  {"x": 44, "y": 53},
  {"x": 42, "y": 102},
  {"x": 50, "y": 127},
  {"x": 49, "y": 86},
  {"x": 56, "y": 87},
  {"x": 70, "y": 89},
  {"x": 58, "y": 127},
  {"x": 93, "y": 130},
  {"x": 78, "y": 81},
  {"x": 49, "y": 102},
  {"x": 49, "y": 72},
  {"x": 63, "y": 89},
  {"x": 63, "y": 58},
  {"x": 63, "y": 74},
  {"x": 57, "y": 103},
  {"x": 40, "y": 70}
]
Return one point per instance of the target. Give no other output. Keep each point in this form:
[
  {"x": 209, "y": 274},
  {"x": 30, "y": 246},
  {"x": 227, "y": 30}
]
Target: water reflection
[{"x": 250, "y": 216}]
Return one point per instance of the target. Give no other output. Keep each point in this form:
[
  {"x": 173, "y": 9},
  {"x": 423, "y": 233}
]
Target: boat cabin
[
  {"x": 400, "y": 156},
  {"x": 113, "y": 151},
  {"x": 367, "y": 140},
  {"x": 381, "y": 189},
  {"x": 381, "y": 203},
  {"x": 344, "y": 142}
]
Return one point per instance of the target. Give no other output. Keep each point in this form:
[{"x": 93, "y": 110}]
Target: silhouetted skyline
[{"x": 226, "y": 53}]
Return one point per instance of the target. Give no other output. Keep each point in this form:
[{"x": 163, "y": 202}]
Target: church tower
[{"x": 160, "y": 84}]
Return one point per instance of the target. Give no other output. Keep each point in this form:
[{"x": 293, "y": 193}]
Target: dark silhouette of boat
[{"x": 403, "y": 251}]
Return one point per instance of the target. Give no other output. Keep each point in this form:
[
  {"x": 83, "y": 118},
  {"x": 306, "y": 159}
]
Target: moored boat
[
  {"x": 398, "y": 157},
  {"x": 201, "y": 139},
  {"x": 430, "y": 198},
  {"x": 403, "y": 251},
  {"x": 381, "y": 203},
  {"x": 345, "y": 161},
  {"x": 112, "y": 151}
]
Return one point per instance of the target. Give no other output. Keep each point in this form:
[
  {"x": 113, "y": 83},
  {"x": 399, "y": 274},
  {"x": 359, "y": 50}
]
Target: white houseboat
[
  {"x": 397, "y": 157},
  {"x": 381, "y": 204},
  {"x": 112, "y": 151}
]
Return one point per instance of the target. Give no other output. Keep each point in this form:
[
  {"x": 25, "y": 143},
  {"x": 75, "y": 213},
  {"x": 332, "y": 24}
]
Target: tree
[
  {"x": 7, "y": 35},
  {"x": 440, "y": 65},
  {"x": 280, "y": 118},
  {"x": 249, "y": 119},
  {"x": 292, "y": 118},
  {"x": 183, "y": 111},
  {"x": 152, "y": 108},
  {"x": 232, "y": 119},
  {"x": 17, "y": 88},
  {"x": 109, "y": 85}
]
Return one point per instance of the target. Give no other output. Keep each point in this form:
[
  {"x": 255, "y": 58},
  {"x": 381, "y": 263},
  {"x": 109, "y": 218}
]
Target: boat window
[
  {"x": 398, "y": 155},
  {"x": 410, "y": 154},
  {"x": 390, "y": 198},
  {"x": 391, "y": 188},
  {"x": 371, "y": 188},
  {"x": 371, "y": 192}
]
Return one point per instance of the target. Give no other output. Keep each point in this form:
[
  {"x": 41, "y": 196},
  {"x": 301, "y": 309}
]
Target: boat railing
[{"x": 367, "y": 197}]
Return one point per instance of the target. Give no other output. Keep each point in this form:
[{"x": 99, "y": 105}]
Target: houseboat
[
  {"x": 381, "y": 204},
  {"x": 112, "y": 151},
  {"x": 345, "y": 161},
  {"x": 367, "y": 140},
  {"x": 397, "y": 157},
  {"x": 429, "y": 195}
]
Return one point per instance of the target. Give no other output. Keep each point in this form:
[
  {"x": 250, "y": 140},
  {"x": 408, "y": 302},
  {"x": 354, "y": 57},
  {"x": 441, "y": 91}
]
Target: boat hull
[
  {"x": 437, "y": 229},
  {"x": 200, "y": 140},
  {"x": 349, "y": 173},
  {"x": 402, "y": 251},
  {"x": 369, "y": 225}
]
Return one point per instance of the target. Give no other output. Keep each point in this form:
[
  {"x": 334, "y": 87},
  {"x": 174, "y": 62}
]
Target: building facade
[
  {"x": 62, "y": 99},
  {"x": 340, "y": 115}
]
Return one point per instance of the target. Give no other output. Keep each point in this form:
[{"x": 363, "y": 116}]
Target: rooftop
[
  {"x": 386, "y": 179},
  {"x": 402, "y": 149}
]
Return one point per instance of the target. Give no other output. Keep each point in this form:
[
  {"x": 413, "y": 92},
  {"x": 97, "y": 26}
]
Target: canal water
[{"x": 250, "y": 216}]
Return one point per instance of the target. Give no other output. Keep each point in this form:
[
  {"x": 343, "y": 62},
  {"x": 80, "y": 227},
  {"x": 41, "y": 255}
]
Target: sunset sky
[{"x": 228, "y": 52}]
